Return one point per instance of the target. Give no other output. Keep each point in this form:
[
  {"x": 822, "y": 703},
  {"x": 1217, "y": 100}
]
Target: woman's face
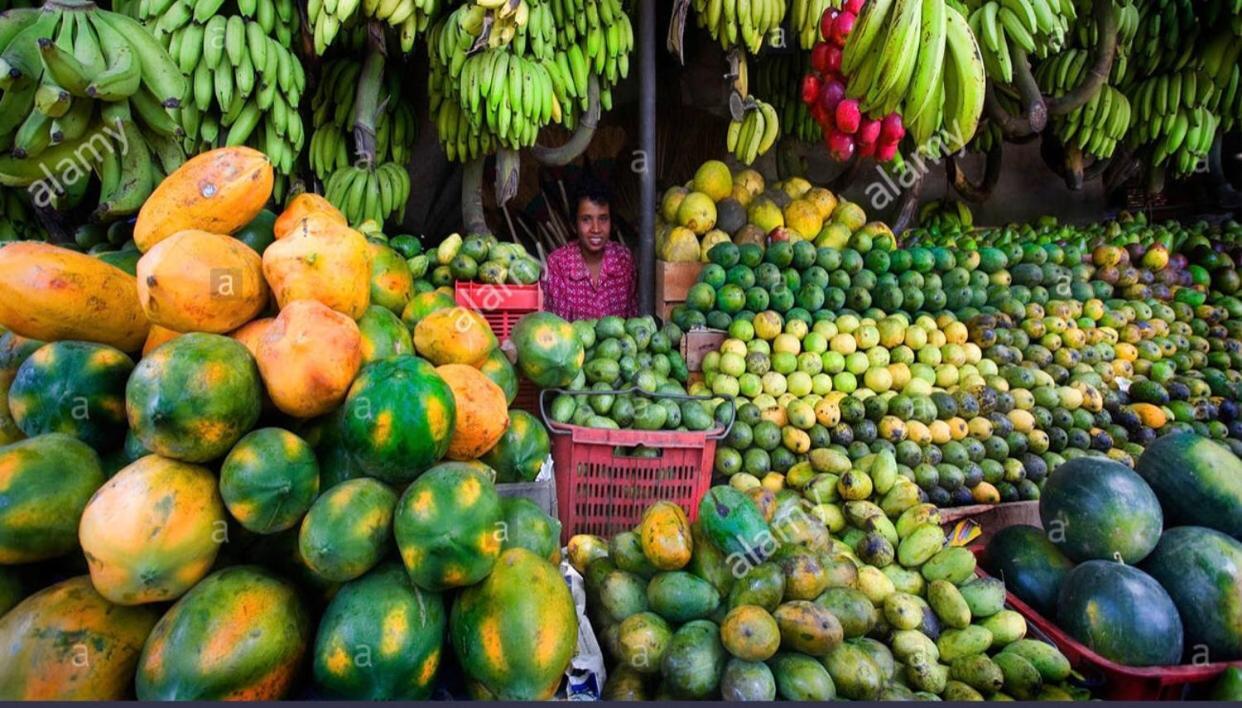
[{"x": 594, "y": 225}]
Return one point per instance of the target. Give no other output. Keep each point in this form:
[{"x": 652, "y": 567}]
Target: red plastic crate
[
  {"x": 1119, "y": 682},
  {"x": 601, "y": 491},
  {"x": 501, "y": 305}
]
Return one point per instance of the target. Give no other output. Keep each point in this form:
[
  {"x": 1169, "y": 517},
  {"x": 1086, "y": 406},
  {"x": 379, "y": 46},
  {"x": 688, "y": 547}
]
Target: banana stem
[
  {"x": 472, "y": 215},
  {"x": 578, "y": 142},
  {"x": 1120, "y": 169},
  {"x": 508, "y": 171},
  {"x": 54, "y": 223},
  {"x": 909, "y": 205},
  {"x": 962, "y": 184},
  {"x": 847, "y": 175},
  {"x": 1035, "y": 111},
  {"x": 366, "y": 100},
  {"x": 71, "y": 4},
  {"x": 1097, "y": 75}
]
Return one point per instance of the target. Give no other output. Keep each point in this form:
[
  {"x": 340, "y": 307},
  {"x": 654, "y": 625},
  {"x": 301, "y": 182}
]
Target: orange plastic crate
[
  {"x": 501, "y": 305},
  {"x": 603, "y": 491}
]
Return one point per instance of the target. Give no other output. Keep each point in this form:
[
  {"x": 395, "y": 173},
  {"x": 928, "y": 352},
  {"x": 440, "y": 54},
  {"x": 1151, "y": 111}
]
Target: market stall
[{"x": 916, "y": 372}]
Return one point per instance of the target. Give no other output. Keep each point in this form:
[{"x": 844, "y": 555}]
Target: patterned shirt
[{"x": 569, "y": 292}]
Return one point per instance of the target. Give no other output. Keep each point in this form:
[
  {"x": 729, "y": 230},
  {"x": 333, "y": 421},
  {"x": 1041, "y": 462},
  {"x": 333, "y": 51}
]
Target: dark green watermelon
[
  {"x": 1120, "y": 613},
  {"x": 1098, "y": 509},
  {"x": 1201, "y": 569},
  {"x": 1198, "y": 481},
  {"x": 1031, "y": 566}
]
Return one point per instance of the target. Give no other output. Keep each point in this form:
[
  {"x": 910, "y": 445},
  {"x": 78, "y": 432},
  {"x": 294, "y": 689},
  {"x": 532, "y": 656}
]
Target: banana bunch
[
  {"x": 1037, "y": 27},
  {"x": 461, "y": 141},
  {"x": 396, "y": 128},
  {"x": 1219, "y": 60},
  {"x": 778, "y": 78},
  {"x": 245, "y": 84},
  {"x": 538, "y": 36},
  {"x": 326, "y": 18},
  {"x": 510, "y": 94},
  {"x": 1167, "y": 38},
  {"x": 1097, "y": 126},
  {"x": 1087, "y": 34},
  {"x": 16, "y": 221},
  {"x": 919, "y": 56},
  {"x": 595, "y": 37},
  {"x": 804, "y": 18},
  {"x": 986, "y": 137},
  {"x": 86, "y": 93},
  {"x": 946, "y": 215},
  {"x": 744, "y": 23},
  {"x": 369, "y": 193},
  {"x": 755, "y": 133},
  {"x": 1174, "y": 118}
]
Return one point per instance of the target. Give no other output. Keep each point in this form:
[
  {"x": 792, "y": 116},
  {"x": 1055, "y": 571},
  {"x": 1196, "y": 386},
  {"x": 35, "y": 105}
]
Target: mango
[
  {"x": 984, "y": 596},
  {"x": 805, "y": 578},
  {"x": 733, "y": 523},
  {"x": 907, "y": 642},
  {"x": 957, "y": 691},
  {"x": 855, "y": 612},
  {"x": 708, "y": 562},
  {"x": 874, "y": 549},
  {"x": 924, "y": 673},
  {"x": 762, "y": 585},
  {"x": 1047, "y": 659},
  {"x": 808, "y": 628},
  {"x": 956, "y": 643},
  {"x": 643, "y": 639},
  {"x": 855, "y": 674},
  {"x": 977, "y": 671},
  {"x": 875, "y": 584},
  {"x": 907, "y": 581},
  {"x": 626, "y": 551},
  {"x": 694, "y": 661},
  {"x": 948, "y": 604},
  {"x": 903, "y": 611},
  {"x": 623, "y": 594},
  {"x": 840, "y": 571},
  {"x": 749, "y": 632},
  {"x": 915, "y": 517},
  {"x": 955, "y": 564},
  {"x": 1021, "y": 679},
  {"x": 1006, "y": 627},
  {"x": 747, "y": 681},
  {"x": 880, "y": 654},
  {"x": 918, "y": 547},
  {"x": 801, "y": 678},
  {"x": 903, "y": 495},
  {"x": 664, "y": 535},
  {"x": 680, "y": 597}
]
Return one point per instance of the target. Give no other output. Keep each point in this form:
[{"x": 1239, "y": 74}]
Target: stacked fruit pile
[
  {"x": 543, "y": 71},
  {"x": 1143, "y": 566},
  {"x": 885, "y": 66},
  {"x": 484, "y": 259},
  {"x": 245, "y": 81},
  {"x": 718, "y": 206},
  {"x": 633, "y": 354},
  {"x": 81, "y": 81},
  {"x": 756, "y": 600},
  {"x": 250, "y": 454}
]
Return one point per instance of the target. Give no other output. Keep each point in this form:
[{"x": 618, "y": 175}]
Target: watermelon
[
  {"x": 527, "y": 526},
  {"x": 496, "y": 367},
  {"x": 67, "y": 643},
  {"x": 515, "y": 633},
  {"x": 1201, "y": 569},
  {"x": 447, "y": 527},
  {"x": 193, "y": 398},
  {"x": 348, "y": 529},
  {"x": 548, "y": 352},
  {"x": 1031, "y": 566},
  {"x": 259, "y": 233},
  {"x": 1199, "y": 481},
  {"x": 73, "y": 387},
  {"x": 379, "y": 639},
  {"x": 522, "y": 450},
  {"x": 398, "y": 418},
  {"x": 1120, "y": 613},
  {"x": 240, "y": 634},
  {"x": 45, "y": 483},
  {"x": 1094, "y": 508},
  {"x": 269, "y": 480},
  {"x": 383, "y": 335}
]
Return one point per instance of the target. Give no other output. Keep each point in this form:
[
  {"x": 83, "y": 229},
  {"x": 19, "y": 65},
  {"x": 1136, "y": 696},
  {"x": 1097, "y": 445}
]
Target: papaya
[
  {"x": 584, "y": 548},
  {"x": 51, "y": 293},
  {"x": 248, "y": 335},
  {"x": 321, "y": 261},
  {"x": 197, "y": 281},
  {"x": 45, "y": 483},
  {"x": 454, "y": 335},
  {"x": 302, "y": 206},
  {"x": 481, "y": 412},
  {"x": 308, "y": 358},
  {"x": 219, "y": 191},
  {"x": 348, "y": 529},
  {"x": 156, "y": 337}
]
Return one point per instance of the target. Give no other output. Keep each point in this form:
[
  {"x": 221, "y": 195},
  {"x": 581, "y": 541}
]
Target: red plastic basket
[
  {"x": 1119, "y": 682},
  {"x": 602, "y": 491},
  {"x": 501, "y": 305}
]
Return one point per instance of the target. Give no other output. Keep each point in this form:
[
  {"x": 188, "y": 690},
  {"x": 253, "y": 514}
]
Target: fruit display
[
  {"x": 1137, "y": 585},
  {"x": 245, "y": 80},
  {"x": 484, "y": 259},
  {"x": 884, "y": 67},
  {"x": 83, "y": 81},
  {"x": 547, "y": 66},
  {"x": 756, "y": 600},
  {"x": 284, "y": 459},
  {"x": 640, "y": 377}
]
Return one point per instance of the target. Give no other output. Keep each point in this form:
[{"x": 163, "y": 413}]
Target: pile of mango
[{"x": 757, "y": 600}]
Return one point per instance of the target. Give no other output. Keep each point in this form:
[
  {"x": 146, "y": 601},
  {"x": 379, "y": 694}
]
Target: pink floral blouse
[{"x": 569, "y": 292}]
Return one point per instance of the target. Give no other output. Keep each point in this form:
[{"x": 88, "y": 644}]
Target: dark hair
[{"x": 593, "y": 190}]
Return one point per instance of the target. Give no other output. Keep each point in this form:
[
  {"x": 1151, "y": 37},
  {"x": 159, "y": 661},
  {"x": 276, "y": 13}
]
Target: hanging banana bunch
[
  {"x": 327, "y": 18},
  {"x": 755, "y": 133},
  {"x": 1174, "y": 118},
  {"x": 805, "y": 16},
  {"x": 365, "y": 193},
  {"x": 16, "y": 221},
  {"x": 78, "y": 81},
  {"x": 396, "y": 129},
  {"x": 1009, "y": 27},
  {"x": 746, "y": 23},
  {"x": 778, "y": 80},
  {"x": 245, "y": 83}
]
